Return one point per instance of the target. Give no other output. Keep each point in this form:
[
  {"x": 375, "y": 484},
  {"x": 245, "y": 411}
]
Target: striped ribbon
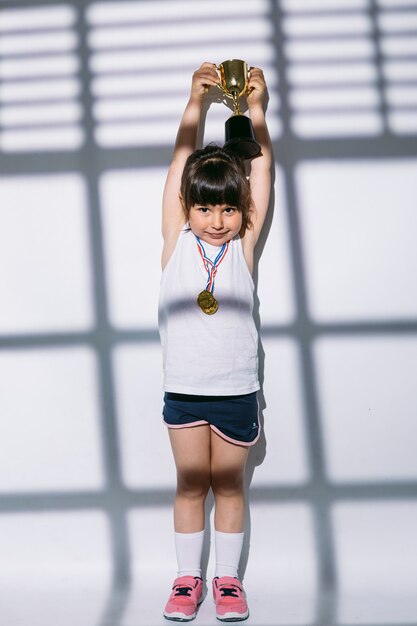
[{"x": 211, "y": 266}]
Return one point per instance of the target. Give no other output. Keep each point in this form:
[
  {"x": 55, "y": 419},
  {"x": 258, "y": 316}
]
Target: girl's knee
[
  {"x": 227, "y": 484},
  {"x": 193, "y": 483}
]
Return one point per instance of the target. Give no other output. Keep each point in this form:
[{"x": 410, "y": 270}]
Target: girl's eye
[
  {"x": 203, "y": 209},
  {"x": 230, "y": 209}
]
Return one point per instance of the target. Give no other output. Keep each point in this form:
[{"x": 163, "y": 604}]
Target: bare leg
[
  {"x": 227, "y": 473},
  {"x": 191, "y": 449}
]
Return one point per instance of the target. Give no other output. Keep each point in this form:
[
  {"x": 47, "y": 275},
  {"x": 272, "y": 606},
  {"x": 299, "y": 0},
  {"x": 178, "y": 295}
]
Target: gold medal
[
  {"x": 207, "y": 302},
  {"x": 211, "y": 309},
  {"x": 205, "y": 299}
]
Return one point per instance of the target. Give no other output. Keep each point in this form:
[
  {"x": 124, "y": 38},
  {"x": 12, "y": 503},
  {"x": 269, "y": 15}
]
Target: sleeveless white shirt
[{"x": 207, "y": 354}]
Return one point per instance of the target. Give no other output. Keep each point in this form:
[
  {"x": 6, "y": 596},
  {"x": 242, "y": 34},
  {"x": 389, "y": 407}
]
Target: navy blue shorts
[{"x": 235, "y": 418}]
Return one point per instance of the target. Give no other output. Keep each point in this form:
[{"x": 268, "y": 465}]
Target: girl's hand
[
  {"x": 205, "y": 77},
  {"x": 258, "y": 94}
]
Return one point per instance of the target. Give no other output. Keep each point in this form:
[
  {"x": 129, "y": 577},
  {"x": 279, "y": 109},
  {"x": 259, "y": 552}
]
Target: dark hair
[{"x": 214, "y": 176}]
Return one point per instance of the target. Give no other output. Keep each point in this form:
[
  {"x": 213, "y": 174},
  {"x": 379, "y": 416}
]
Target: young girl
[{"x": 212, "y": 219}]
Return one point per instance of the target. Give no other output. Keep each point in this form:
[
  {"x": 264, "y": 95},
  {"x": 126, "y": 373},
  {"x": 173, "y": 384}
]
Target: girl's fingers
[
  {"x": 258, "y": 85},
  {"x": 257, "y": 80},
  {"x": 208, "y": 82},
  {"x": 257, "y": 76},
  {"x": 208, "y": 68},
  {"x": 256, "y": 73},
  {"x": 206, "y": 73},
  {"x": 205, "y": 80}
]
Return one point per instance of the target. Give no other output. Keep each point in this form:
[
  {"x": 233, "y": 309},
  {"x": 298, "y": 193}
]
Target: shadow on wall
[{"x": 90, "y": 101}]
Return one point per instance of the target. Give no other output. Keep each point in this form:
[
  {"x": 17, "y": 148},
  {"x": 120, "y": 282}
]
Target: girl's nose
[{"x": 218, "y": 220}]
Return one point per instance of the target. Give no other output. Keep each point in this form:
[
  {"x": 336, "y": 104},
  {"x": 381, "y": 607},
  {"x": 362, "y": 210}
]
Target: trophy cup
[{"x": 240, "y": 137}]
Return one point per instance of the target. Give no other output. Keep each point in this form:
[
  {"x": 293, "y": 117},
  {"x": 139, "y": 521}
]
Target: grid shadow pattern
[{"x": 381, "y": 132}]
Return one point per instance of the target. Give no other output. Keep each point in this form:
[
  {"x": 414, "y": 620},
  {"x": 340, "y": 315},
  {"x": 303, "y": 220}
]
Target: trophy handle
[{"x": 220, "y": 86}]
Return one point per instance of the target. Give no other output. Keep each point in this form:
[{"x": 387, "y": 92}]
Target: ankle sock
[
  {"x": 228, "y": 551},
  {"x": 189, "y": 547}
]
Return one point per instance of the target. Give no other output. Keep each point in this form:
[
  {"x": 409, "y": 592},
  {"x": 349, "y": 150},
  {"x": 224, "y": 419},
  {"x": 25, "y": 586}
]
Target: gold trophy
[{"x": 240, "y": 137}]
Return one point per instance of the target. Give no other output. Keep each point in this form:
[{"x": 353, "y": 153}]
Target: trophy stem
[{"x": 236, "y": 104}]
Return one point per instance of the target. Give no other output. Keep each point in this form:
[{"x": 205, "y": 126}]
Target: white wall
[{"x": 88, "y": 119}]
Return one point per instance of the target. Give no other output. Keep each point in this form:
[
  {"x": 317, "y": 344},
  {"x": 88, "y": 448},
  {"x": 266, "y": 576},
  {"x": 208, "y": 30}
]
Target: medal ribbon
[{"x": 212, "y": 266}]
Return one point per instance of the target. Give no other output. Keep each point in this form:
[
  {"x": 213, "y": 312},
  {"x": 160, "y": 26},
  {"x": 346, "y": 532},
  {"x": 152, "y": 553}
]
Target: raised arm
[
  {"x": 172, "y": 213},
  {"x": 260, "y": 167}
]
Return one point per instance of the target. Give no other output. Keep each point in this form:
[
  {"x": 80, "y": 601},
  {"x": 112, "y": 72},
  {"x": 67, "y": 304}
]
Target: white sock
[
  {"x": 228, "y": 551},
  {"x": 189, "y": 547}
]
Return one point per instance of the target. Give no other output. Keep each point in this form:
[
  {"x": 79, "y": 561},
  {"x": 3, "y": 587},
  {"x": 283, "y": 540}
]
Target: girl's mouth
[{"x": 217, "y": 235}]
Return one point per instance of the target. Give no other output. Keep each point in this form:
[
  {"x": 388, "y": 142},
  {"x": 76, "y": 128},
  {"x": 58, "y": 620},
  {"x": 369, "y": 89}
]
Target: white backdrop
[{"x": 90, "y": 99}]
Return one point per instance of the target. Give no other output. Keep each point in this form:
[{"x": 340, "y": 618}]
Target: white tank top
[{"x": 207, "y": 354}]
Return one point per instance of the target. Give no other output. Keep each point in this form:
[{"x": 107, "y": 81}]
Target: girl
[{"x": 212, "y": 219}]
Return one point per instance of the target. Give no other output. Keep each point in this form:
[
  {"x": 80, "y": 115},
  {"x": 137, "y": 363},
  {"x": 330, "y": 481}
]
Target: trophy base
[{"x": 240, "y": 137}]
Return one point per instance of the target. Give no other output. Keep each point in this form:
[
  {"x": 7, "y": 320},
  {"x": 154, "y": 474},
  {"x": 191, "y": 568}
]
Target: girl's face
[{"x": 215, "y": 224}]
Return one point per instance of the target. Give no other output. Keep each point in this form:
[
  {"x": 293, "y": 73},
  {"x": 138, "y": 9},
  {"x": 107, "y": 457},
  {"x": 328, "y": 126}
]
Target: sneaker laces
[
  {"x": 183, "y": 591},
  {"x": 229, "y": 590}
]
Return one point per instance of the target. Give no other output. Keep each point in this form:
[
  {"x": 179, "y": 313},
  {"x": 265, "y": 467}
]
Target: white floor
[
  {"x": 56, "y": 568},
  {"x": 65, "y": 603}
]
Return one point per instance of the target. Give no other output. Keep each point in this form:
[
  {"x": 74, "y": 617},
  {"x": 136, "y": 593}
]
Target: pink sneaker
[
  {"x": 186, "y": 595},
  {"x": 230, "y": 599}
]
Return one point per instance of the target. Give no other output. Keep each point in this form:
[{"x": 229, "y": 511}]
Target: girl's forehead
[{"x": 213, "y": 206}]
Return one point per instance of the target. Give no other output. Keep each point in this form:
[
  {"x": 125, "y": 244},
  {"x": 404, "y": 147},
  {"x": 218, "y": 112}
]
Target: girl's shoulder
[
  {"x": 248, "y": 246},
  {"x": 170, "y": 243}
]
